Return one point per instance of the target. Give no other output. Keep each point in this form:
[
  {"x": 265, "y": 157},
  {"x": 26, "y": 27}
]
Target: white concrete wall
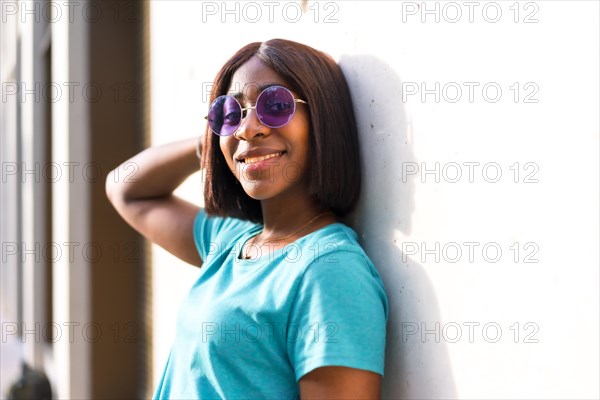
[
  {"x": 522, "y": 323},
  {"x": 71, "y": 361},
  {"x": 24, "y": 245},
  {"x": 11, "y": 348}
]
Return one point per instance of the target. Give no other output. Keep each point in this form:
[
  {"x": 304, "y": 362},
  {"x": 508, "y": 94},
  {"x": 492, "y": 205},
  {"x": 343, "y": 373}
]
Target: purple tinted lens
[
  {"x": 224, "y": 115},
  {"x": 275, "y": 106}
]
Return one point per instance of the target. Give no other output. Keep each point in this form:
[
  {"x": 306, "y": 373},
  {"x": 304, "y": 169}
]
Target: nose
[{"x": 251, "y": 127}]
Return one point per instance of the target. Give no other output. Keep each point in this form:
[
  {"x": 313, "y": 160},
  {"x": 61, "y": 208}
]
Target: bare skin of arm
[
  {"x": 145, "y": 199},
  {"x": 340, "y": 383}
]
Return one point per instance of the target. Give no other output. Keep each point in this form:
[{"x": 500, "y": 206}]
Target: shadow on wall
[{"x": 416, "y": 367}]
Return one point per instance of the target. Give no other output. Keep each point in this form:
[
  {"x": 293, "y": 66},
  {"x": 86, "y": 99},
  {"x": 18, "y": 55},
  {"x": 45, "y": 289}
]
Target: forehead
[{"x": 251, "y": 77}]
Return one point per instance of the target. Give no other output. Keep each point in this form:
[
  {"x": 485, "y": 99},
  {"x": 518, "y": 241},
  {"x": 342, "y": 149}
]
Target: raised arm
[{"x": 141, "y": 190}]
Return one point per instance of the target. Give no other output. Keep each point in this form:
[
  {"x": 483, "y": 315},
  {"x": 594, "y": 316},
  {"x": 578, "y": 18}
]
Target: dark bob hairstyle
[{"x": 334, "y": 165}]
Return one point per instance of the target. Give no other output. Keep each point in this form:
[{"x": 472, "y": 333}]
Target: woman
[{"x": 286, "y": 303}]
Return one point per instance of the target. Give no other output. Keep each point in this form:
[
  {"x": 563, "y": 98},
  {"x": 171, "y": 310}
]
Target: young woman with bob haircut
[{"x": 286, "y": 304}]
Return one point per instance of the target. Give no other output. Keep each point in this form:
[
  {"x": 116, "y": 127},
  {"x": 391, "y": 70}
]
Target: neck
[{"x": 281, "y": 217}]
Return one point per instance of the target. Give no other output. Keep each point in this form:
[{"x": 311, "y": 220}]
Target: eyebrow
[{"x": 241, "y": 95}]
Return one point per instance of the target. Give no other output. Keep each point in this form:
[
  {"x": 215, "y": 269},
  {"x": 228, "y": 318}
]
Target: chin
[
  {"x": 264, "y": 190},
  {"x": 259, "y": 191}
]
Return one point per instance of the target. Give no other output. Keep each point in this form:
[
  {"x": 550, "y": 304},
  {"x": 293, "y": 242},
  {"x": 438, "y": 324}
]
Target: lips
[
  {"x": 258, "y": 154},
  {"x": 252, "y": 160}
]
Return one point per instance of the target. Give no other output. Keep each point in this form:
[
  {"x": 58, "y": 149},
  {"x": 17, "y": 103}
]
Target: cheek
[
  {"x": 302, "y": 137},
  {"x": 226, "y": 148}
]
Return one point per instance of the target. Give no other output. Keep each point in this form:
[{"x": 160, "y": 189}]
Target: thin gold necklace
[{"x": 246, "y": 256}]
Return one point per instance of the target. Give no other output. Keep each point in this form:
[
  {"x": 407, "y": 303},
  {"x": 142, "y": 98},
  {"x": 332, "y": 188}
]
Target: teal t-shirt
[{"x": 250, "y": 329}]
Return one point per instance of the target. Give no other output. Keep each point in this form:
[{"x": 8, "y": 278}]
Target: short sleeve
[
  {"x": 212, "y": 232},
  {"x": 339, "y": 316}
]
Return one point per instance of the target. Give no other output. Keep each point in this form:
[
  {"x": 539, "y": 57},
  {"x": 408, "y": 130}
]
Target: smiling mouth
[{"x": 252, "y": 160}]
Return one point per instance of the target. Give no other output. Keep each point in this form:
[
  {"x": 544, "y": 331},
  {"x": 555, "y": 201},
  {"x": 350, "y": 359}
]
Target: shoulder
[
  {"x": 336, "y": 262},
  {"x": 217, "y": 224},
  {"x": 337, "y": 244}
]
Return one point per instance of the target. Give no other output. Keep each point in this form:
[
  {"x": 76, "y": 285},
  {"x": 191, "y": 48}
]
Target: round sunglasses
[{"x": 275, "y": 107}]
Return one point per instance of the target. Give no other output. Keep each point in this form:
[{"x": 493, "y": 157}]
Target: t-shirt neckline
[{"x": 256, "y": 230}]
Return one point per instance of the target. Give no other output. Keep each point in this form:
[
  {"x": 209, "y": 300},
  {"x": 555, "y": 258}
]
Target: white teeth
[{"x": 252, "y": 160}]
